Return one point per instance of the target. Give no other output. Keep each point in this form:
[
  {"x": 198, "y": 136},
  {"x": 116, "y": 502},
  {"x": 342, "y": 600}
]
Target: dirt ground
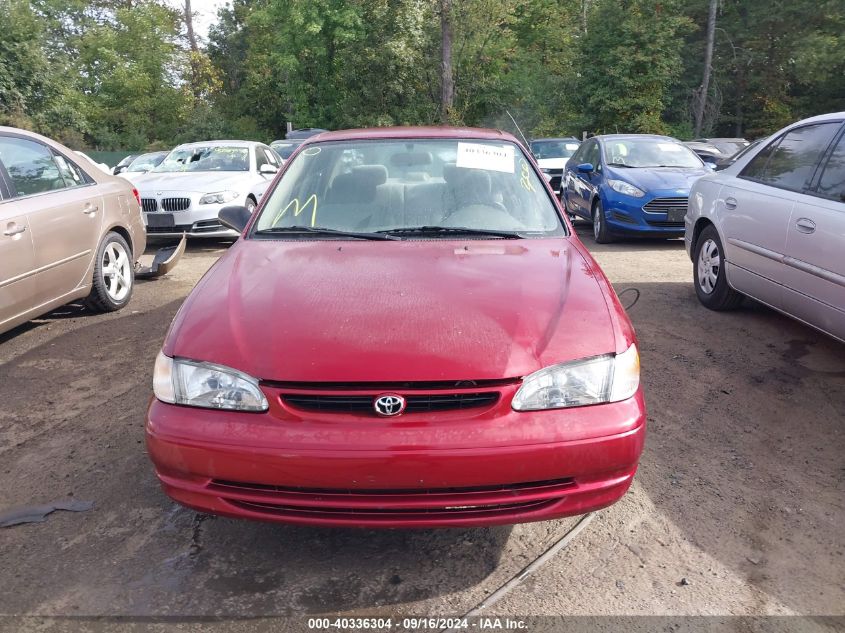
[{"x": 737, "y": 508}]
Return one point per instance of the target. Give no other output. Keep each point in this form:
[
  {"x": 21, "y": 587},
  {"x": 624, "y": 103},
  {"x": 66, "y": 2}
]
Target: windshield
[
  {"x": 649, "y": 153},
  {"x": 285, "y": 149},
  {"x": 396, "y": 185},
  {"x": 214, "y": 158},
  {"x": 553, "y": 149},
  {"x": 146, "y": 162}
]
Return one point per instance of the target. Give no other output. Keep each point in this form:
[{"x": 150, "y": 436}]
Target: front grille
[
  {"x": 666, "y": 224},
  {"x": 175, "y": 204},
  {"x": 667, "y": 205},
  {"x": 176, "y": 228},
  {"x": 208, "y": 226},
  {"x": 149, "y": 204},
  {"x": 414, "y": 403},
  {"x": 410, "y": 505}
]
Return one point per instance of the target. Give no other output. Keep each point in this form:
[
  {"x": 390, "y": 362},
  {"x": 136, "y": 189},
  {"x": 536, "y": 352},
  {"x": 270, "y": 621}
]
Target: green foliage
[{"x": 110, "y": 74}]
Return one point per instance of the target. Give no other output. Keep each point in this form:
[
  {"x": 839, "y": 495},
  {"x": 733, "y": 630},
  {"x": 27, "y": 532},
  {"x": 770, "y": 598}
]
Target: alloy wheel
[
  {"x": 709, "y": 262},
  {"x": 117, "y": 271}
]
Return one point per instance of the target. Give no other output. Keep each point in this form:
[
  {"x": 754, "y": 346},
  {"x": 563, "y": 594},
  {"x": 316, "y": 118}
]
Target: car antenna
[{"x": 527, "y": 144}]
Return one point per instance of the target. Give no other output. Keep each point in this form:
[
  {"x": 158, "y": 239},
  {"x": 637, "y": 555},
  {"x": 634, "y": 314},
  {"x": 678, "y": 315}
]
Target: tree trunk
[
  {"x": 447, "y": 87},
  {"x": 704, "y": 89},
  {"x": 189, "y": 24}
]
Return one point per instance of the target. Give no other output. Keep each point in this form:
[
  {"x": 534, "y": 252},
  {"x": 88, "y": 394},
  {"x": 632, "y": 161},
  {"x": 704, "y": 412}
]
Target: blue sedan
[{"x": 631, "y": 184}]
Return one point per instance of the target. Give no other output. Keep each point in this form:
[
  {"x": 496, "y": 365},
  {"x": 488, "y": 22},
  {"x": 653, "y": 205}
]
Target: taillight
[{"x": 137, "y": 195}]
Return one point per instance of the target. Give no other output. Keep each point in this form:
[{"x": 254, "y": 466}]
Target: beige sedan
[{"x": 68, "y": 231}]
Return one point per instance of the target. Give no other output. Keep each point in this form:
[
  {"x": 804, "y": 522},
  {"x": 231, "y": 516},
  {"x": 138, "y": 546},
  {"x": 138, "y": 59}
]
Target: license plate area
[
  {"x": 676, "y": 215},
  {"x": 158, "y": 220}
]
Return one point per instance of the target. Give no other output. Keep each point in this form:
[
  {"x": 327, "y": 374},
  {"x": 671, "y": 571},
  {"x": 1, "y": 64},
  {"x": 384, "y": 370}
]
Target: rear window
[{"x": 370, "y": 186}]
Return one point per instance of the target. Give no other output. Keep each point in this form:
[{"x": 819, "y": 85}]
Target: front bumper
[
  {"x": 627, "y": 215},
  {"x": 195, "y": 221},
  {"x": 421, "y": 470}
]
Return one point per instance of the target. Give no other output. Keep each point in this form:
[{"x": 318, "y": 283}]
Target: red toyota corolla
[{"x": 408, "y": 333}]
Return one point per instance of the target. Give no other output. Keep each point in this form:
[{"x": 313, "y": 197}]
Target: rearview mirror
[
  {"x": 267, "y": 169},
  {"x": 235, "y": 217},
  {"x": 585, "y": 168}
]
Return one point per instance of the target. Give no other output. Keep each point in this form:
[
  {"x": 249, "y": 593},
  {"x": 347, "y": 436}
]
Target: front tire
[
  {"x": 114, "y": 275},
  {"x": 251, "y": 204},
  {"x": 709, "y": 277},
  {"x": 600, "y": 231}
]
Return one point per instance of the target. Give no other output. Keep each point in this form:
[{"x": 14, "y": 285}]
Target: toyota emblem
[{"x": 389, "y": 404}]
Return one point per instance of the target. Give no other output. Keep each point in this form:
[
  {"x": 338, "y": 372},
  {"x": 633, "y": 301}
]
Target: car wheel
[
  {"x": 600, "y": 231},
  {"x": 114, "y": 275},
  {"x": 711, "y": 283},
  {"x": 251, "y": 204}
]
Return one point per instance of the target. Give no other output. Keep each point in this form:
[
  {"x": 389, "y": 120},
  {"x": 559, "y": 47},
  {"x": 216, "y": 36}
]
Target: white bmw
[{"x": 190, "y": 186}]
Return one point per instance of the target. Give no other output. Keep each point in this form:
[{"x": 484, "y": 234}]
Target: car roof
[
  {"x": 398, "y": 132},
  {"x": 217, "y": 144},
  {"x": 623, "y": 137},
  {"x": 555, "y": 138}
]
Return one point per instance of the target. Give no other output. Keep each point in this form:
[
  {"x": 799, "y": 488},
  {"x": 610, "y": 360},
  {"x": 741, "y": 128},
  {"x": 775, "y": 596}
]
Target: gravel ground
[{"x": 737, "y": 508}]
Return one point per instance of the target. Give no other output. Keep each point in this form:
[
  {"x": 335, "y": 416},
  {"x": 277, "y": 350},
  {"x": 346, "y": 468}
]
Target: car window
[
  {"x": 145, "y": 162},
  {"x": 71, "y": 174},
  {"x": 31, "y": 166},
  {"x": 593, "y": 156},
  {"x": 649, "y": 153},
  {"x": 832, "y": 182},
  {"x": 791, "y": 163},
  {"x": 212, "y": 158},
  {"x": 260, "y": 158},
  {"x": 271, "y": 156},
  {"x": 553, "y": 149},
  {"x": 370, "y": 186}
]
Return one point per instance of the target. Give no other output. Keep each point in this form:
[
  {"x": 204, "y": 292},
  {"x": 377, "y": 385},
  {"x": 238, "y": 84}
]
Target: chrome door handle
[
  {"x": 9, "y": 232},
  {"x": 730, "y": 203},
  {"x": 90, "y": 209},
  {"x": 805, "y": 225}
]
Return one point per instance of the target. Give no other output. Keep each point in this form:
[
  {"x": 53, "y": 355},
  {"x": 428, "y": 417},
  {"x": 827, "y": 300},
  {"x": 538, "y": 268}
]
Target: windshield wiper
[
  {"x": 451, "y": 230},
  {"x": 619, "y": 165},
  {"x": 317, "y": 230}
]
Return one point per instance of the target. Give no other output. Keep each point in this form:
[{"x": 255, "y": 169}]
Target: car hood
[
  {"x": 340, "y": 311},
  {"x": 659, "y": 178},
  {"x": 196, "y": 181},
  {"x": 552, "y": 163}
]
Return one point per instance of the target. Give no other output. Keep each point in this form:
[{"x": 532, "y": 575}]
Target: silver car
[
  {"x": 772, "y": 226},
  {"x": 185, "y": 192}
]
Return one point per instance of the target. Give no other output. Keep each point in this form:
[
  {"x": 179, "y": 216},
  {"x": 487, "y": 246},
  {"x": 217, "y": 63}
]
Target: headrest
[
  {"x": 461, "y": 177},
  {"x": 411, "y": 159},
  {"x": 359, "y": 185}
]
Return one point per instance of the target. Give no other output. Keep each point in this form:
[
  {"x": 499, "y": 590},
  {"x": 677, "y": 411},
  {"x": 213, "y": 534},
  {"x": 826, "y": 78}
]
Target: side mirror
[
  {"x": 585, "y": 168},
  {"x": 235, "y": 217},
  {"x": 266, "y": 169}
]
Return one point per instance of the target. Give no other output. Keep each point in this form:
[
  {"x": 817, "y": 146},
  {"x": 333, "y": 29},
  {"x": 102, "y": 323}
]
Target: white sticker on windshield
[
  {"x": 572, "y": 146},
  {"x": 670, "y": 147},
  {"x": 492, "y": 157}
]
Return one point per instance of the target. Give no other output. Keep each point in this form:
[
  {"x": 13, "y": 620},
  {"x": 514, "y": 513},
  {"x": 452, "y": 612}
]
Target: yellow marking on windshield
[
  {"x": 297, "y": 209},
  {"x": 524, "y": 178}
]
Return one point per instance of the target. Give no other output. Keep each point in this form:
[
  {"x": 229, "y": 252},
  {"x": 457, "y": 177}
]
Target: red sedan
[{"x": 408, "y": 333}]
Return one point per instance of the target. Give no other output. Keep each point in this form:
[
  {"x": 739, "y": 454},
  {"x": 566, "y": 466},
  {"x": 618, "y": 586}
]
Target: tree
[
  {"x": 447, "y": 87},
  {"x": 700, "y": 97}
]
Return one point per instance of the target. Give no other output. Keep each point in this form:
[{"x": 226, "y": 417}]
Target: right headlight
[
  {"x": 578, "y": 383},
  {"x": 626, "y": 188},
  {"x": 199, "y": 384}
]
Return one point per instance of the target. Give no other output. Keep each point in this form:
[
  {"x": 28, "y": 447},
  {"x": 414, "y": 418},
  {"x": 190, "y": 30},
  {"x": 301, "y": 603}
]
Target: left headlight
[
  {"x": 595, "y": 380},
  {"x": 198, "y": 384},
  {"x": 218, "y": 197},
  {"x": 626, "y": 188}
]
